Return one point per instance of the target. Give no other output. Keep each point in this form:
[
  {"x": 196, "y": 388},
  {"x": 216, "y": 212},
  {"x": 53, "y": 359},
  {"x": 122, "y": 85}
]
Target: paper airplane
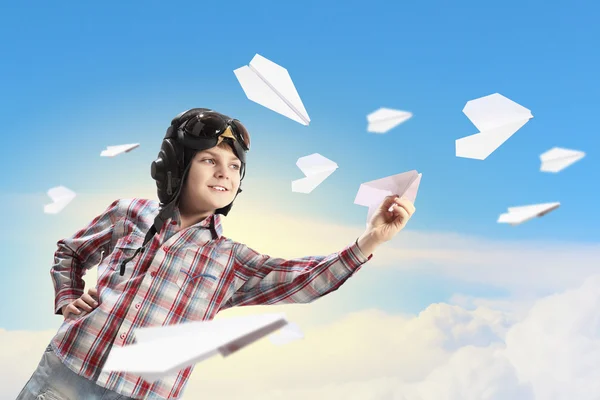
[
  {"x": 289, "y": 333},
  {"x": 270, "y": 85},
  {"x": 385, "y": 119},
  {"x": 162, "y": 351},
  {"x": 61, "y": 197},
  {"x": 112, "y": 151},
  {"x": 518, "y": 215},
  {"x": 371, "y": 194},
  {"x": 316, "y": 168},
  {"x": 557, "y": 159},
  {"x": 497, "y": 118}
]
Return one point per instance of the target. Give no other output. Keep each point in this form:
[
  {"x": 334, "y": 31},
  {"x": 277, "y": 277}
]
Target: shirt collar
[{"x": 214, "y": 219}]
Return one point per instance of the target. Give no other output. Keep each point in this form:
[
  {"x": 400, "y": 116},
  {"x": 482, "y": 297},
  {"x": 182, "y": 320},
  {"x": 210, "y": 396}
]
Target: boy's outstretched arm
[
  {"x": 77, "y": 253},
  {"x": 272, "y": 280}
]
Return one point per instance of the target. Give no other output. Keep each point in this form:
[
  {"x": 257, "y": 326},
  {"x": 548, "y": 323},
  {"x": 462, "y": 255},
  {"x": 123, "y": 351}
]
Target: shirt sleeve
[
  {"x": 76, "y": 254},
  {"x": 271, "y": 280}
]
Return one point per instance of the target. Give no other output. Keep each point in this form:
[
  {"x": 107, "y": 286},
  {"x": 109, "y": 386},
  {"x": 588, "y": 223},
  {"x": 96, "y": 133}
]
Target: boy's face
[{"x": 211, "y": 171}]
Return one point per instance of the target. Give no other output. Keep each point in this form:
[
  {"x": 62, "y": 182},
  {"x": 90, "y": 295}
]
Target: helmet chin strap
[{"x": 165, "y": 212}]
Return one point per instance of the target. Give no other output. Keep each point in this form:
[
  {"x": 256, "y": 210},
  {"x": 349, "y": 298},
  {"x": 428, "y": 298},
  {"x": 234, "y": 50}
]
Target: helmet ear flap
[{"x": 166, "y": 169}]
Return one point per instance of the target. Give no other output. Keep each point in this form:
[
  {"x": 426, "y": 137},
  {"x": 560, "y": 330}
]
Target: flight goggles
[{"x": 210, "y": 126}]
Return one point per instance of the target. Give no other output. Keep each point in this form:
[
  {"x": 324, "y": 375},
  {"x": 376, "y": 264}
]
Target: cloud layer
[{"x": 446, "y": 352}]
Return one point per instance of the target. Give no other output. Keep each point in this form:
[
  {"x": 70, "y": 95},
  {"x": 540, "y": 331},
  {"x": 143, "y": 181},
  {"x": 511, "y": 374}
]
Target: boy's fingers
[
  {"x": 70, "y": 309},
  {"x": 89, "y": 300},
  {"x": 82, "y": 304},
  {"x": 93, "y": 292}
]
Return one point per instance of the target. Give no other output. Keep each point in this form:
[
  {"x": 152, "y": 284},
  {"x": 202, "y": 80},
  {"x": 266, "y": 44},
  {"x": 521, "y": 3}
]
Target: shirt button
[
  {"x": 137, "y": 305},
  {"x": 173, "y": 222},
  {"x": 153, "y": 273},
  {"x": 122, "y": 336}
]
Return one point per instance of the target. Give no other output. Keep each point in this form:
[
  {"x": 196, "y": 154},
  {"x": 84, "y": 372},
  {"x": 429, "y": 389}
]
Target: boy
[{"x": 182, "y": 270}]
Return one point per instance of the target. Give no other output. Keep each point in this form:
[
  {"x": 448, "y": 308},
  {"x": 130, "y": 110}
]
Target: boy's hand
[
  {"x": 390, "y": 218},
  {"x": 385, "y": 224},
  {"x": 87, "y": 302}
]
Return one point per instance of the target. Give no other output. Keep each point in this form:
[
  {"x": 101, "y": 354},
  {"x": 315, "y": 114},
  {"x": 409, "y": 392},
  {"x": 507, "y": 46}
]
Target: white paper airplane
[
  {"x": 371, "y": 194},
  {"x": 557, "y": 159},
  {"x": 385, "y": 119},
  {"x": 270, "y": 85},
  {"x": 497, "y": 118},
  {"x": 316, "y": 168},
  {"x": 61, "y": 197},
  {"x": 289, "y": 333},
  {"x": 112, "y": 151},
  {"x": 162, "y": 351},
  {"x": 518, "y": 215}
]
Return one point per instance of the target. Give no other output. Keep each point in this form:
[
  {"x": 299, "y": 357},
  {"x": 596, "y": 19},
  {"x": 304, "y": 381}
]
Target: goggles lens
[{"x": 212, "y": 125}]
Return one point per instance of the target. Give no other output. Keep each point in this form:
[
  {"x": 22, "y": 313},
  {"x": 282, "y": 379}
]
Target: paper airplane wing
[
  {"x": 535, "y": 209},
  {"x": 315, "y": 163},
  {"x": 374, "y": 192},
  {"x": 60, "y": 193},
  {"x": 112, "y": 151},
  {"x": 494, "y": 111},
  {"x": 514, "y": 218},
  {"x": 557, "y": 159},
  {"x": 161, "y": 357},
  {"x": 480, "y": 145},
  {"x": 518, "y": 215},
  {"x": 413, "y": 189},
  {"x": 316, "y": 168},
  {"x": 252, "y": 335},
  {"x": 161, "y": 351},
  {"x": 385, "y": 119},
  {"x": 287, "y": 334},
  {"x": 131, "y": 147},
  {"x": 271, "y": 86},
  {"x": 61, "y": 197}
]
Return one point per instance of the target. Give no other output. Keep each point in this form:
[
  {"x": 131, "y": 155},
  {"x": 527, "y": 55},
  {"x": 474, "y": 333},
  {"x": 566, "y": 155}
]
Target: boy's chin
[{"x": 217, "y": 206}]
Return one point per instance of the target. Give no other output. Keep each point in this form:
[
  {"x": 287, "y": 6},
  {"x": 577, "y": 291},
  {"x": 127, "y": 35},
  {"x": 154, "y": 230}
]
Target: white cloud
[
  {"x": 557, "y": 347},
  {"x": 471, "y": 373},
  {"x": 444, "y": 353}
]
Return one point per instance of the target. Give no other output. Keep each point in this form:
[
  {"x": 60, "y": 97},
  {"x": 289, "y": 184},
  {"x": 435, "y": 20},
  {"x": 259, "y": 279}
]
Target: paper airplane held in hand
[
  {"x": 385, "y": 119},
  {"x": 270, "y": 85},
  {"x": 371, "y": 194},
  {"x": 557, "y": 159},
  {"x": 497, "y": 119},
  {"x": 316, "y": 168},
  {"x": 61, "y": 197},
  {"x": 112, "y": 151},
  {"x": 518, "y": 215},
  {"x": 162, "y": 351}
]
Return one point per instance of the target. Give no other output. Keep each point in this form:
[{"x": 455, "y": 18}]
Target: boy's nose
[{"x": 221, "y": 173}]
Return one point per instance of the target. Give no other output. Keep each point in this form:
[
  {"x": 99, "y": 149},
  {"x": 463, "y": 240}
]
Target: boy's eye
[
  {"x": 208, "y": 159},
  {"x": 236, "y": 166}
]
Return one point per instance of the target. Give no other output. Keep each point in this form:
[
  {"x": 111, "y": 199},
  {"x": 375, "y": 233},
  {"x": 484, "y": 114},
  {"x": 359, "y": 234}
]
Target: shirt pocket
[
  {"x": 198, "y": 274},
  {"x": 124, "y": 249}
]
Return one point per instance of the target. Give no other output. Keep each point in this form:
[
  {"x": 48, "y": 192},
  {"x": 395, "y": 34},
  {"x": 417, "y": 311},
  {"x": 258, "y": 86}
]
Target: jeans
[{"x": 52, "y": 380}]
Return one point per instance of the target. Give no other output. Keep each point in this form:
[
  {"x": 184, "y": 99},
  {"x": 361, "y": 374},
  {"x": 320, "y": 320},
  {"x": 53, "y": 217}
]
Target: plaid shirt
[{"x": 182, "y": 276}]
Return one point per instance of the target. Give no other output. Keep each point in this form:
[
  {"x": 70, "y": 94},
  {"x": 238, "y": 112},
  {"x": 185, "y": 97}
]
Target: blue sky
[{"x": 79, "y": 76}]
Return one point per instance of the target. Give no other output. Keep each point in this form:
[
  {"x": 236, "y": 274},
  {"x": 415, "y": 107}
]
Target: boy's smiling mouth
[{"x": 218, "y": 188}]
